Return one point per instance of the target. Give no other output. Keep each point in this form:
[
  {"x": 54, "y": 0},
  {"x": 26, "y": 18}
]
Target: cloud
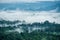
[
  {"x": 23, "y": 0},
  {"x": 30, "y": 17}
]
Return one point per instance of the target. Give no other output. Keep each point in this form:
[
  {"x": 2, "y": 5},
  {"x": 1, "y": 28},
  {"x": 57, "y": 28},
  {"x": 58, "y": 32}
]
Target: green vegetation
[
  {"x": 50, "y": 33},
  {"x": 35, "y": 35}
]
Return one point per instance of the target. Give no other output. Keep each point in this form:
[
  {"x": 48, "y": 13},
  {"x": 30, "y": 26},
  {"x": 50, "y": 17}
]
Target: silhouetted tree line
[
  {"x": 51, "y": 26},
  {"x": 46, "y": 23},
  {"x": 8, "y": 22},
  {"x": 35, "y": 24}
]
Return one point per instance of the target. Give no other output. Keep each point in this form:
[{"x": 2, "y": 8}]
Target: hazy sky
[{"x": 23, "y": 0}]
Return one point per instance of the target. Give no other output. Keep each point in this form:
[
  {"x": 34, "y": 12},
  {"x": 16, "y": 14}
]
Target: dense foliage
[
  {"x": 35, "y": 35},
  {"x": 52, "y": 33}
]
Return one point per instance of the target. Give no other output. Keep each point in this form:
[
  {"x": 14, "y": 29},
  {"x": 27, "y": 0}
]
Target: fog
[{"x": 30, "y": 16}]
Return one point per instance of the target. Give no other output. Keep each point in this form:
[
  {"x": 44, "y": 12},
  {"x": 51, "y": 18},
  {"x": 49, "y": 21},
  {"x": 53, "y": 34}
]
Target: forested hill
[{"x": 23, "y": 23}]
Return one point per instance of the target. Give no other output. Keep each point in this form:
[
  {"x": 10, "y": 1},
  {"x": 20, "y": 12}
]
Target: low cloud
[{"x": 30, "y": 16}]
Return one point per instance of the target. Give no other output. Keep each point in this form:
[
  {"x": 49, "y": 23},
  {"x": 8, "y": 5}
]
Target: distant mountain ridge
[{"x": 37, "y": 6}]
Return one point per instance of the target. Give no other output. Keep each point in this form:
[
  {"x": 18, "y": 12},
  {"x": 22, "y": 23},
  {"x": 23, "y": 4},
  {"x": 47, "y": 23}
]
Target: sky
[{"x": 23, "y": 0}]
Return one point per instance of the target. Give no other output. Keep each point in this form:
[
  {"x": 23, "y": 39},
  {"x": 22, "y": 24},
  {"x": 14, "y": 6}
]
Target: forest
[{"x": 51, "y": 31}]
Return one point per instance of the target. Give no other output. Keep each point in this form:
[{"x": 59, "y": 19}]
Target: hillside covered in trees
[{"x": 20, "y": 30}]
